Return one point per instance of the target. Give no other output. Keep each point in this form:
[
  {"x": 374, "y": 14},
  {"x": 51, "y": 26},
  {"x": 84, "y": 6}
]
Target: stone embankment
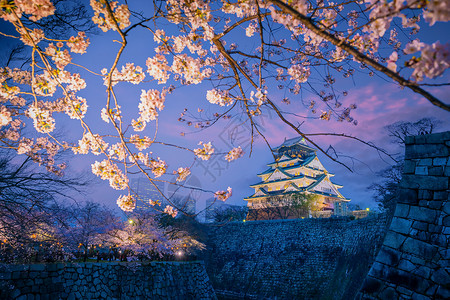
[
  {"x": 293, "y": 259},
  {"x": 414, "y": 261},
  {"x": 155, "y": 280}
]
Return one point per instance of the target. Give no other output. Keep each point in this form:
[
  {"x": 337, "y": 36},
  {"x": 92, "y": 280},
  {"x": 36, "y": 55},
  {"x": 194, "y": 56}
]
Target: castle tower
[{"x": 296, "y": 170}]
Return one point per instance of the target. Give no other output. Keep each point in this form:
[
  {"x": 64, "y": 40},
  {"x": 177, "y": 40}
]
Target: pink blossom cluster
[
  {"x": 434, "y": 59},
  {"x": 79, "y": 43},
  {"x": 158, "y": 68},
  {"x": 61, "y": 57},
  {"x": 117, "y": 151},
  {"x": 42, "y": 119},
  {"x": 223, "y": 195},
  {"x": 158, "y": 167},
  {"x": 299, "y": 73},
  {"x": 128, "y": 73},
  {"x": 171, "y": 211},
  {"x": 120, "y": 15},
  {"x": 141, "y": 143},
  {"x": 205, "y": 152},
  {"x": 5, "y": 116},
  {"x": 150, "y": 101},
  {"x": 92, "y": 142},
  {"x": 37, "y": 9},
  {"x": 234, "y": 154},
  {"x": 110, "y": 171},
  {"x": 76, "y": 107},
  {"x": 219, "y": 97},
  {"x": 31, "y": 37},
  {"x": 182, "y": 173},
  {"x": 126, "y": 203}
]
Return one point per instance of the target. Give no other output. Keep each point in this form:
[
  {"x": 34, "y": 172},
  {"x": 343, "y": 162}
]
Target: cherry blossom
[
  {"x": 38, "y": 9},
  {"x": 79, "y": 43},
  {"x": 140, "y": 143},
  {"x": 234, "y": 154},
  {"x": 170, "y": 211},
  {"x": 182, "y": 173},
  {"x": 126, "y": 203},
  {"x": 205, "y": 152},
  {"x": 5, "y": 116},
  {"x": 392, "y": 61},
  {"x": 106, "y": 22},
  {"x": 158, "y": 167},
  {"x": 219, "y": 97},
  {"x": 223, "y": 195}
]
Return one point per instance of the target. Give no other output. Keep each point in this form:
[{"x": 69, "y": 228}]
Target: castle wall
[
  {"x": 414, "y": 260},
  {"x": 155, "y": 280},
  {"x": 293, "y": 259}
]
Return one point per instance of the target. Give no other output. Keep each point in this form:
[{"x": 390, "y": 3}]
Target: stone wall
[
  {"x": 293, "y": 259},
  {"x": 155, "y": 280},
  {"x": 414, "y": 260}
]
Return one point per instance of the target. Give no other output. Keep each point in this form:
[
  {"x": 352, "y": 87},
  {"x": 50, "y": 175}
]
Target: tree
[
  {"x": 28, "y": 194},
  {"x": 299, "y": 205},
  {"x": 85, "y": 226},
  {"x": 143, "y": 236},
  {"x": 232, "y": 213},
  {"x": 299, "y": 47},
  {"x": 400, "y": 130},
  {"x": 386, "y": 190}
]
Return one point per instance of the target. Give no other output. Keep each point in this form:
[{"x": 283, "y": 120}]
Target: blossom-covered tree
[
  {"x": 298, "y": 47},
  {"x": 144, "y": 237}
]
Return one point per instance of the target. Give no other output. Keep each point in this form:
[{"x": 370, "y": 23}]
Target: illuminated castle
[{"x": 296, "y": 170}]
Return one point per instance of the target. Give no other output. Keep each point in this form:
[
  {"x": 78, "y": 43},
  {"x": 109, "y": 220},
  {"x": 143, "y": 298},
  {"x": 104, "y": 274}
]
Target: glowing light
[
  {"x": 130, "y": 221},
  {"x": 367, "y": 209},
  {"x": 179, "y": 253}
]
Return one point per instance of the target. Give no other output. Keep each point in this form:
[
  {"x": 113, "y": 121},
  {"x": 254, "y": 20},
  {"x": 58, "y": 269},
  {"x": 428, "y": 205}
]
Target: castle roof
[{"x": 294, "y": 154}]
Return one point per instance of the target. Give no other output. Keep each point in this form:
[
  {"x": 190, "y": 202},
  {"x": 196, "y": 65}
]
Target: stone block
[
  {"x": 406, "y": 265},
  {"x": 425, "y": 151},
  {"x": 425, "y": 194},
  {"x": 409, "y": 140},
  {"x": 422, "y": 271},
  {"x": 443, "y": 292},
  {"x": 438, "y": 138},
  {"x": 421, "y": 170},
  {"x": 409, "y": 166},
  {"x": 420, "y": 139},
  {"x": 422, "y": 214},
  {"x": 425, "y": 162},
  {"x": 419, "y": 225},
  {"x": 388, "y": 293},
  {"x": 446, "y": 221},
  {"x": 388, "y": 256},
  {"x": 435, "y": 204},
  {"x": 440, "y": 161},
  {"x": 401, "y": 210},
  {"x": 407, "y": 195},
  {"x": 446, "y": 207},
  {"x": 447, "y": 171},
  {"x": 417, "y": 296},
  {"x": 441, "y": 277},
  {"x": 402, "y": 278},
  {"x": 419, "y": 248},
  {"x": 404, "y": 291},
  {"x": 436, "y": 171},
  {"x": 424, "y": 182},
  {"x": 401, "y": 225}
]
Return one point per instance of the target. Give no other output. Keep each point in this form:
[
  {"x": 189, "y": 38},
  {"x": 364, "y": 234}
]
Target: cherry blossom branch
[{"x": 308, "y": 23}]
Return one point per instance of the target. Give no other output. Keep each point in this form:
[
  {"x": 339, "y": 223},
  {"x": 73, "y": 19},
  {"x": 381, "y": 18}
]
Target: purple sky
[{"x": 379, "y": 103}]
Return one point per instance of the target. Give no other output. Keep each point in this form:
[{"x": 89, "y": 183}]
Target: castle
[{"x": 295, "y": 171}]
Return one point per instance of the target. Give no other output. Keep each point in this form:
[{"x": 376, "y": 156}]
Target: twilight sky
[{"x": 379, "y": 102}]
